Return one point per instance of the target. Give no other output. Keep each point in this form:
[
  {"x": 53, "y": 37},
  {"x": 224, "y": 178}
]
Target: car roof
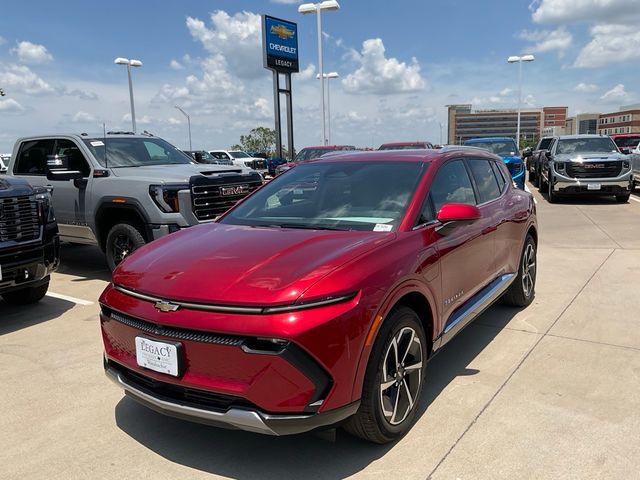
[
  {"x": 328, "y": 147},
  {"x": 403, "y": 144},
  {"x": 86, "y": 136},
  {"x": 624, "y": 135},
  {"x": 489, "y": 139},
  {"x": 590, "y": 135}
]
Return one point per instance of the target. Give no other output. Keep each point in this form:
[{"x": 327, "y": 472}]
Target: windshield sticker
[
  {"x": 97, "y": 144},
  {"x": 381, "y": 227}
]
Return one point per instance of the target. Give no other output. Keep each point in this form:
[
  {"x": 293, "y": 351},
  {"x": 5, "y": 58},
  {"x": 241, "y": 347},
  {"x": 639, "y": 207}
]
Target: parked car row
[{"x": 4, "y": 162}]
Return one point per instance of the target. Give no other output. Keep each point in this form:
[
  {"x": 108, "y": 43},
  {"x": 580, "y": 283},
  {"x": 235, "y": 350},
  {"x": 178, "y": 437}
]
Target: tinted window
[
  {"x": 426, "y": 214},
  {"x": 343, "y": 196},
  {"x": 504, "y": 148},
  {"x": 586, "y": 145},
  {"x": 545, "y": 143},
  {"x": 485, "y": 179},
  {"x": 502, "y": 181},
  {"x": 452, "y": 185},
  {"x": 626, "y": 142},
  {"x": 75, "y": 158},
  {"x": 32, "y": 159}
]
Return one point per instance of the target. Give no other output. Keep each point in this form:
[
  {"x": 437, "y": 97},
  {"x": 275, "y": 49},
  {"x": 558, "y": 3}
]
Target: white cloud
[
  {"x": 610, "y": 44},
  {"x": 10, "y": 105},
  {"x": 176, "y": 65},
  {"x": 378, "y": 74},
  {"x": 83, "y": 117},
  {"x": 307, "y": 73},
  {"x": 574, "y": 11},
  {"x": 81, "y": 94},
  {"x": 143, "y": 120},
  {"x": 32, "y": 53},
  {"x": 286, "y": 2},
  {"x": 174, "y": 121},
  {"x": 2, "y": 41},
  {"x": 616, "y": 93},
  {"x": 547, "y": 40},
  {"x": 586, "y": 87},
  {"x": 21, "y": 79}
]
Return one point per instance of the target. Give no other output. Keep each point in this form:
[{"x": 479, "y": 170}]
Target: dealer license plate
[
  {"x": 593, "y": 186},
  {"x": 158, "y": 356}
]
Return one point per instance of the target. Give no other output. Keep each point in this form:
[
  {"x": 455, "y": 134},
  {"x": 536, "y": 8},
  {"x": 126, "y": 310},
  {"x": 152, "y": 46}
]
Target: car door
[
  {"x": 31, "y": 161},
  {"x": 467, "y": 252}
]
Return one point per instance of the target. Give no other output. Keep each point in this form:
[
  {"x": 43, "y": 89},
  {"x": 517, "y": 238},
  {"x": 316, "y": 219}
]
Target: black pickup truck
[
  {"x": 29, "y": 243},
  {"x": 534, "y": 159}
]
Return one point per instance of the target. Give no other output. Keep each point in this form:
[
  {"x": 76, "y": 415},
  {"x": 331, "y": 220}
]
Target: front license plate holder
[
  {"x": 159, "y": 356},
  {"x": 593, "y": 186}
]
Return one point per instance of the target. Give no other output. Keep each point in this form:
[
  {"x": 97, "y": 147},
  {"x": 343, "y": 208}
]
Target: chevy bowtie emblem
[
  {"x": 165, "y": 307},
  {"x": 283, "y": 32}
]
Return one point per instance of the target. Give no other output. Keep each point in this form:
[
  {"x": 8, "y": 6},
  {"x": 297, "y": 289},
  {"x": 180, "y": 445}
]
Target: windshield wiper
[{"x": 303, "y": 226}]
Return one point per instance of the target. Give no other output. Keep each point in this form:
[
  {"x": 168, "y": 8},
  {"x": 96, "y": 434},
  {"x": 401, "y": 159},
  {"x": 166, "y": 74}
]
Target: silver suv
[{"x": 120, "y": 191}]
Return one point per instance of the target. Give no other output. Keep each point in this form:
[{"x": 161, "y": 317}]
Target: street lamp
[
  {"x": 329, "y": 76},
  {"x": 188, "y": 123},
  {"x": 519, "y": 60},
  {"x": 317, "y": 8},
  {"x": 129, "y": 64}
]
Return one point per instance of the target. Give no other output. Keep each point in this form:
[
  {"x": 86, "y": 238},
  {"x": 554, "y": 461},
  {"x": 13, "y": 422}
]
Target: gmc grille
[
  {"x": 212, "y": 197},
  {"x": 594, "y": 169},
  {"x": 19, "y": 219}
]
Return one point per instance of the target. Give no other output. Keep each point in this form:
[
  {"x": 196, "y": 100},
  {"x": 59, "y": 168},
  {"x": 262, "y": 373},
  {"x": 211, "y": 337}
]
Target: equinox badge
[{"x": 165, "y": 307}]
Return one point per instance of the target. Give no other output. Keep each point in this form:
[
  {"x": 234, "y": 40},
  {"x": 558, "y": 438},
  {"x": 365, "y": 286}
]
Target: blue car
[{"x": 507, "y": 149}]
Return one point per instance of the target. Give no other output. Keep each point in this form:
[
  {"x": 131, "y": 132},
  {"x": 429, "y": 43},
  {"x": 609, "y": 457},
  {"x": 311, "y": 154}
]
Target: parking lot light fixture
[
  {"x": 519, "y": 59},
  {"x": 329, "y": 76},
  {"x": 188, "y": 124},
  {"x": 317, "y": 8},
  {"x": 129, "y": 64}
]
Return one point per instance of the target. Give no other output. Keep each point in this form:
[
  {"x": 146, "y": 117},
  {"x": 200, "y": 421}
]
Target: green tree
[{"x": 259, "y": 139}]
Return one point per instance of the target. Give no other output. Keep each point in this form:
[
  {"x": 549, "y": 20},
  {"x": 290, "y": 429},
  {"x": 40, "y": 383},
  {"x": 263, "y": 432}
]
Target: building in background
[
  {"x": 582, "y": 124},
  {"x": 466, "y": 123},
  {"x": 625, "y": 120}
]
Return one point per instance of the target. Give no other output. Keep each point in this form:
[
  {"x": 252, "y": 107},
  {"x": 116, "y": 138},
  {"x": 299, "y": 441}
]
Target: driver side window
[
  {"x": 452, "y": 185},
  {"x": 76, "y": 159}
]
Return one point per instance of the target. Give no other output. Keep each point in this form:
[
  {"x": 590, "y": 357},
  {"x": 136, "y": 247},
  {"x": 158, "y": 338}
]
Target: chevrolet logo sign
[
  {"x": 165, "y": 307},
  {"x": 282, "y": 32},
  {"x": 235, "y": 190}
]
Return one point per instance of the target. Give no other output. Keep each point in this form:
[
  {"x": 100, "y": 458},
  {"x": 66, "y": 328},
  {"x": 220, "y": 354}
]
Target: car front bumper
[{"x": 609, "y": 186}]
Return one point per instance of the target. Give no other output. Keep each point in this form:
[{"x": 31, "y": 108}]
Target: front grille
[
  {"x": 19, "y": 219},
  {"x": 594, "y": 169},
  {"x": 213, "y": 197},
  {"x": 177, "y": 333},
  {"x": 183, "y": 395},
  {"x": 260, "y": 164}
]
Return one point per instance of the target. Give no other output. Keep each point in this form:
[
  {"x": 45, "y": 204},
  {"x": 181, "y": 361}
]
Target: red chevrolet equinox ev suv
[{"x": 318, "y": 300}]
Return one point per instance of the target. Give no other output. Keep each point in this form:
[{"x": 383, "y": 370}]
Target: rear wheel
[
  {"x": 521, "y": 292},
  {"x": 532, "y": 177},
  {"x": 27, "y": 295},
  {"x": 122, "y": 240},
  {"x": 393, "y": 381}
]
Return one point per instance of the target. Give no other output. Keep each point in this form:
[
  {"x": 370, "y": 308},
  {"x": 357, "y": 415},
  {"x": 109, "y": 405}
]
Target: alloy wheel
[
  {"x": 528, "y": 270},
  {"x": 122, "y": 246},
  {"x": 401, "y": 376}
]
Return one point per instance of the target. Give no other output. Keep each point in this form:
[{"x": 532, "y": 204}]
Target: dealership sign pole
[{"x": 280, "y": 55}]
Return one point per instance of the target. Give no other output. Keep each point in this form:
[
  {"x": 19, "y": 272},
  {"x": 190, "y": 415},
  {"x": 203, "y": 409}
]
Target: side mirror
[
  {"x": 527, "y": 152},
  {"x": 58, "y": 169},
  {"x": 548, "y": 154},
  {"x": 625, "y": 150},
  {"x": 198, "y": 157},
  {"x": 452, "y": 215}
]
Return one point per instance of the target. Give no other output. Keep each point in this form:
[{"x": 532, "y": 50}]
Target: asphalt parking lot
[{"x": 551, "y": 391}]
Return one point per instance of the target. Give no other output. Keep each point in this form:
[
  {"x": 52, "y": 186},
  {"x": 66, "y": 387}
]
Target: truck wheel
[
  {"x": 551, "y": 195},
  {"x": 532, "y": 177},
  {"x": 542, "y": 185},
  {"x": 623, "y": 198},
  {"x": 536, "y": 179},
  {"x": 27, "y": 295},
  {"x": 122, "y": 239},
  {"x": 522, "y": 290},
  {"x": 393, "y": 380}
]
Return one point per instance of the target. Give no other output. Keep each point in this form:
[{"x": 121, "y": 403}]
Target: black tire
[
  {"x": 551, "y": 195},
  {"x": 521, "y": 292},
  {"x": 370, "y": 421},
  {"x": 122, "y": 239},
  {"x": 28, "y": 295},
  {"x": 623, "y": 198},
  {"x": 536, "y": 179},
  {"x": 542, "y": 185},
  {"x": 532, "y": 177}
]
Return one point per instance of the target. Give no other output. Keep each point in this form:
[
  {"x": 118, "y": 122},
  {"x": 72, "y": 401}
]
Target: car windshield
[
  {"x": 503, "y": 148},
  {"x": 586, "y": 145},
  {"x": 627, "y": 142},
  {"x": 402, "y": 147},
  {"x": 310, "y": 153},
  {"x": 238, "y": 154},
  {"x": 135, "y": 152},
  {"x": 359, "y": 195},
  {"x": 544, "y": 144}
]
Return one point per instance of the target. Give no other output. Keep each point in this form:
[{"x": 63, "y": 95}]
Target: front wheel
[
  {"x": 27, "y": 295},
  {"x": 551, "y": 195},
  {"x": 393, "y": 381},
  {"x": 532, "y": 176},
  {"x": 623, "y": 198},
  {"x": 521, "y": 292},
  {"x": 122, "y": 240}
]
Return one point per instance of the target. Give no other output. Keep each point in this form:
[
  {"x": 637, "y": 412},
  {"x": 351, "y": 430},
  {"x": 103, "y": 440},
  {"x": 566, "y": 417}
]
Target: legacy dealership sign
[{"x": 280, "y": 44}]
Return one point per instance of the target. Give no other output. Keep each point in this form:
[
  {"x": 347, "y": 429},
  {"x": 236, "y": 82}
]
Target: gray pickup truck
[{"x": 120, "y": 191}]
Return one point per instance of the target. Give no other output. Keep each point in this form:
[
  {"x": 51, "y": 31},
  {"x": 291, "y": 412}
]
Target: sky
[{"x": 399, "y": 64}]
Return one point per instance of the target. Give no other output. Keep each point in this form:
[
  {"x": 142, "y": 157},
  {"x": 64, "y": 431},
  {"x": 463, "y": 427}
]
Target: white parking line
[
  {"x": 526, "y": 189},
  {"x": 634, "y": 199},
  {"x": 77, "y": 301}
]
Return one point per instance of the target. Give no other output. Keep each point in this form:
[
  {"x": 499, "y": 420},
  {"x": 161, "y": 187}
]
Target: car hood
[
  {"x": 587, "y": 156},
  {"x": 512, "y": 159},
  {"x": 175, "y": 173},
  {"x": 239, "y": 265},
  {"x": 13, "y": 187}
]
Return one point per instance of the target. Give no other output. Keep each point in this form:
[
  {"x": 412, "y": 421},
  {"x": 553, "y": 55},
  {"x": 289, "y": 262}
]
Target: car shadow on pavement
[
  {"x": 14, "y": 317},
  {"x": 244, "y": 455},
  {"x": 84, "y": 261},
  {"x": 583, "y": 199}
]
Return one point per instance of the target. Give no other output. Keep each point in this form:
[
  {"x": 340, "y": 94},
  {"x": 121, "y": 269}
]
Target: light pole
[
  {"x": 440, "y": 123},
  {"x": 129, "y": 64},
  {"x": 188, "y": 123},
  {"x": 519, "y": 60},
  {"x": 317, "y": 8},
  {"x": 329, "y": 76}
]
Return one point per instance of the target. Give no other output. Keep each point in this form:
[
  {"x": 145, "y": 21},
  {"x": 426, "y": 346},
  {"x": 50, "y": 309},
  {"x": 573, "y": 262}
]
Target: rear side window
[
  {"x": 502, "y": 181},
  {"x": 488, "y": 188},
  {"x": 32, "y": 157},
  {"x": 545, "y": 143},
  {"x": 452, "y": 185}
]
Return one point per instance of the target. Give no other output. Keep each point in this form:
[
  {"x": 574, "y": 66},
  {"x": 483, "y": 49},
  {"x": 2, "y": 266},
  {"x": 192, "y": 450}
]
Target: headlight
[
  {"x": 166, "y": 196},
  {"x": 626, "y": 164},
  {"x": 45, "y": 210},
  {"x": 559, "y": 165},
  {"x": 323, "y": 302}
]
